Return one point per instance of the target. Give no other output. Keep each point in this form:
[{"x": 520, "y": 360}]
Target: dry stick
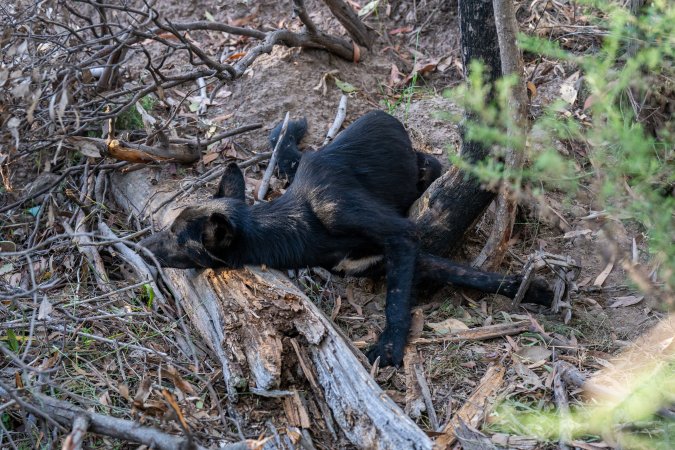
[
  {"x": 339, "y": 119},
  {"x": 473, "y": 334},
  {"x": 512, "y": 64},
  {"x": 473, "y": 410},
  {"x": 88, "y": 249},
  {"x": 265, "y": 183},
  {"x": 426, "y": 395},
  {"x": 524, "y": 285},
  {"x": 561, "y": 401},
  {"x": 74, "y": 440},
  {"x": 143, "y": 271},
  {"x": 127, "y": 430},
  {"x": 216, "y": 137}
]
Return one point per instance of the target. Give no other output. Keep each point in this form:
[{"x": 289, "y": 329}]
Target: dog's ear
[
  {"x": 218, "y": 231},
  {"x": 232, "y": 184}
]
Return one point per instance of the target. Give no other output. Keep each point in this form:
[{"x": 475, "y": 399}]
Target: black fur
[{"x": 346, "y": 212}]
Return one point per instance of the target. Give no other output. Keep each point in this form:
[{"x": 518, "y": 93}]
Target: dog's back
[{"x": 372, "y": 159}]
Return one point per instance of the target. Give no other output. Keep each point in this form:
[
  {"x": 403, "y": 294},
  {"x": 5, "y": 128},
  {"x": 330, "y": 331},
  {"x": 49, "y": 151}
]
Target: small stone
[{"x": 578, "y": 211}]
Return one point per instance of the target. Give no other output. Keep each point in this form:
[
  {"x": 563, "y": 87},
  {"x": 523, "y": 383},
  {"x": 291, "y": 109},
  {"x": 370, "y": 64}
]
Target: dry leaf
[
  {"x": 448, "y": 326},
  {"x": 532, "y": 89},
  {"x": 604, "y": 274},
  {"x": 569, "y": 89},
  {"x": 209, "y": 158},
  {"x": 627, "y": 300},
  {"x": 534, "y": 353},
  {"x": 45, "y": 309}
]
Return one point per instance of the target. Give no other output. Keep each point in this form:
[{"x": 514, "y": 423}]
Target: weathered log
[{"x": 244, "y": 316}]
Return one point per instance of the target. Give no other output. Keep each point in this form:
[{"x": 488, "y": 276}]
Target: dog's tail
[
  {"x": 440, "y": 270},
  {"x": 289, "y": 154}
]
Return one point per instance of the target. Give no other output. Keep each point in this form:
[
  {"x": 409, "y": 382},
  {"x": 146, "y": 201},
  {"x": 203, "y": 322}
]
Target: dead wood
[
  {"x": 267, "y": 176},
  {"x": 563, "y": 404},
  {"x": 495, "y": 248},
  {"x": 127, "y": 430},
  {"x": 360, "y": 32},
  {"x": 473, "y": 410},
  {"x": 74, "y": 440},
  {"x": 243, "y": 316},
  {"x": 472, "y": 334},
  {"x": 140, "y": 153}
]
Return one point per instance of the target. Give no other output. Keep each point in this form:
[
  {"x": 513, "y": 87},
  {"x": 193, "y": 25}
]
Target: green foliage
[
  {"x": 147, "y": 295},
  {"x": 628, "y": 418},
  {"x": 12, "y": 341},
  {"x": 630, "y": 160},
  {"x": 131, "y": 119}
]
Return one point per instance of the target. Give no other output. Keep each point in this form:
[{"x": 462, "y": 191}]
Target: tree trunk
[
  {"x": 512, "y": 64},
  {"x": 455, "y": 201}
]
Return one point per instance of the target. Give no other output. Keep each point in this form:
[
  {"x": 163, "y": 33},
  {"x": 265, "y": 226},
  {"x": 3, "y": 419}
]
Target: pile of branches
[{"x": 66, "y": 67}]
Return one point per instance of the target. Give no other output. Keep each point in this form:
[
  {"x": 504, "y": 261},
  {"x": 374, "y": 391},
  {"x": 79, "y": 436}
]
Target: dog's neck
[{"x": 274, "y": 234}]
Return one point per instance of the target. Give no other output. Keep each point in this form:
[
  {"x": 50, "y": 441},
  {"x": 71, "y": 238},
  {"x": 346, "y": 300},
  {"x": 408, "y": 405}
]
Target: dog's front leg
[{"x": 400, "y": 256}]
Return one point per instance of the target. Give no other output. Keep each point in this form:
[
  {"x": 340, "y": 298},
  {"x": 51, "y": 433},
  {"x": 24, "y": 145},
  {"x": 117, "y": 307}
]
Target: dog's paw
[{"x": 389, "y": 348}]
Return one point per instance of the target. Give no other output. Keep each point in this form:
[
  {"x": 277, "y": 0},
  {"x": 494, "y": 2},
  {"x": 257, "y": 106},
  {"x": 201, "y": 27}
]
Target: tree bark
[
  {"x": 456, "y": 200},
  {"x": 512, "y": 64}
]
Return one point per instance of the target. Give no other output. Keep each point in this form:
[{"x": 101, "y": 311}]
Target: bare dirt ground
[{"x": 127, "y": 381}]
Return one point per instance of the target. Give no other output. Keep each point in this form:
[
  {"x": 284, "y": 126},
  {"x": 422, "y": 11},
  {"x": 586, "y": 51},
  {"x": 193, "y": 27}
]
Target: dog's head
[{"x": 200, "y": 235}]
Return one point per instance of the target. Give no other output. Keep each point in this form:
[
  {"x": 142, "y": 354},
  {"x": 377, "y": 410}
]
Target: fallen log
[{"x": 244, "y": 317}]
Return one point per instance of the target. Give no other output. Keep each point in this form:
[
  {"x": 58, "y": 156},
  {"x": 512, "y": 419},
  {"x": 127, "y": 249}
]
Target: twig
[
  {"x": 524, "y": 285},
  {"x": 127, "y": 430},
  {"x": 426, "y": 395},
  {"x": 88, "y": 249},
  {"x": 216, "y": 137},
  {"x": 74, "y": 440},
  {"x": 265, "y": 183},
  {"x": 561, "y": 401},
  {"x": 140, "y": 267},
  {"x": 339, "y": 119},
  {"x": 473, "y": 334}
]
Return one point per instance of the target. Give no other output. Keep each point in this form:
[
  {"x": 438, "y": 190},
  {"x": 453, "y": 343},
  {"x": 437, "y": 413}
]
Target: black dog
[{"x": 345, "y": 211}]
